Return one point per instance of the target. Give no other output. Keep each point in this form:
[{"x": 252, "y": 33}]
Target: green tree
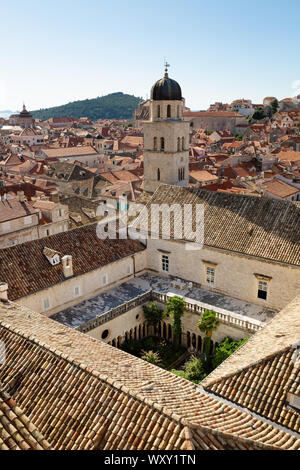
[
  {"x": 207, "y": 324},
  {"x": 259, "y": 114},
  {"x": 152, "y": 357},
  {"x": 152, "y": 313},
  {"x": 274, "y": 106},
  {"x": 194, "y": 369},
  {"x": 225, "y": 349},
  {"x": 175, "y": 309}
]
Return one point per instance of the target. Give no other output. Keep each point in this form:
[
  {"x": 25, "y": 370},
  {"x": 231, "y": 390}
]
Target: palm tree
[{"x": 207, "y": 324}]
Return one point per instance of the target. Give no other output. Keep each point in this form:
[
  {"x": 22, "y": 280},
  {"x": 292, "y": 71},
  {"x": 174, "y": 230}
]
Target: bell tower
[{"x": 166, "y": 137}]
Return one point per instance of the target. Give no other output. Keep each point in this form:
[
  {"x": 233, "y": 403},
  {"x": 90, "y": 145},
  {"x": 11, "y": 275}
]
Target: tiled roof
[
  {"x": 260, "y": 374},
  {"x": 13, "y": 209},
  {"x": 70, "y": 151},
  {"x": 84, "y": 394},
  {"x": 16, "y": 430},
  {"x": 26, "y": 270},
  {"x": 261, "y": 227},
  {"x": 280, "y": 188}
]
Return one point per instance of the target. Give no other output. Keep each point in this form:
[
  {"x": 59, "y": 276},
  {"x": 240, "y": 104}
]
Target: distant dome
[
  {"x": 166, "y": 89},
  {"x": 25, "y": 113}
]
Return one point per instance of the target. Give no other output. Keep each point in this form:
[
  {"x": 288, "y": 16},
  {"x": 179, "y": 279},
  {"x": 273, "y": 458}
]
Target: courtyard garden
[{"x": 166, "y": 354}]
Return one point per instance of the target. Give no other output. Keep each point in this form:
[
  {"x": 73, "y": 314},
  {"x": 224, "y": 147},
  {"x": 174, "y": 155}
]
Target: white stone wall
[
  {"x": 20, "y": 230},
  {"x": 90, "y": 284},
  {"x": 235, "y": 274}
]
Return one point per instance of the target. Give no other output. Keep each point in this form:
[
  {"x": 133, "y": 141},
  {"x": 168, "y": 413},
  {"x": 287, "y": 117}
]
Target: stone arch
[
  {"x": 188, "y": 339},
  {"x": 164, "y": 330},
  {"x": 194, "y": 341},
  {"x": 199, "y": 345}
]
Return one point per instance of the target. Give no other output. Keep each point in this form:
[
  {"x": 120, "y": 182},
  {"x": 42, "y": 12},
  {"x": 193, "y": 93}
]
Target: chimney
[
  {"x": 21, "y": 196},
  {"x": 3, "y": 291},
  {"x": 67, "y": 263},
  {"x": 54, "y": 197}
]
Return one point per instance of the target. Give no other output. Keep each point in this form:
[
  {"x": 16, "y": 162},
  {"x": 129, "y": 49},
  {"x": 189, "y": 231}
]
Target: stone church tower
[{"x": 166, "y": 137}]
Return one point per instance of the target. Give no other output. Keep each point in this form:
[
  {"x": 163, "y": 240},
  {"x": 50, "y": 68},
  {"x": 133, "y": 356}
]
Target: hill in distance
[{"x": 113, "y": 106}]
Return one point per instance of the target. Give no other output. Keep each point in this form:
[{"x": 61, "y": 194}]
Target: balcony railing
[{"x": 193, "y": 306}]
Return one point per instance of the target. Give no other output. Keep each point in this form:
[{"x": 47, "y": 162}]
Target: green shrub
[
  {"x": 152, "y": 313},
  {"x": 131, "y": 346},
  {"x": 194, "y": 369},
  {"x": 225, "y": 349},
  {"x": 152, "y": 357}
]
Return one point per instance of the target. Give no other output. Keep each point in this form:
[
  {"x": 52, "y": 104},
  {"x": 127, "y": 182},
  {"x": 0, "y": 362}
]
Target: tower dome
[{"x": 166, "y": 89}]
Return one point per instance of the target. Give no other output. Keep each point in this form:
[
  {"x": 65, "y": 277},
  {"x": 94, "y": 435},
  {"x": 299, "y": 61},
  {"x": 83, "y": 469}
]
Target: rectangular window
[
  {"x": 46, "y": 304},
  {"x": 210, "y": 276},
  {"x": 129, "y": 269},
  {"x": 165, "y": 263},
  {"x": 262, "y": 292},
  {"x": 77, "y": 291},
  {"x": 104, "y": 280}
]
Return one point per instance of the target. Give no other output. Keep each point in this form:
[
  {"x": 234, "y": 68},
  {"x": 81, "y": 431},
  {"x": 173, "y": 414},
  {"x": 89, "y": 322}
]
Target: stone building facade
[{"x": 166, "y": 137}]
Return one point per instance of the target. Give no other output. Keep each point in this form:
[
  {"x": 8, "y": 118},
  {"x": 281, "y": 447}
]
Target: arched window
[
  {"x": 178, "y": 112},
  {"x": 162, "y": 143},
  {"x": 168, "y": 111},
  {"x": 178, "y": 144},
  {"x": 158, "y": 111},
  {"x": 158, "y": 174},
  {"x": 182, "y": 143},
  {"x": 155, "y": 143}
]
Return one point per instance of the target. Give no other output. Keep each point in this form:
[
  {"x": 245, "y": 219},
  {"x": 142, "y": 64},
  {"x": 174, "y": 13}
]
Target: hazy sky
[{"x": 60, "y": 51}]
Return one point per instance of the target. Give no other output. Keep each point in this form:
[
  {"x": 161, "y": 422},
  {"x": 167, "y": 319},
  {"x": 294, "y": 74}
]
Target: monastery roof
[
  {"x": 260, "y": 375},
  {"x": 261, "y": 227},
  {"x": 16, "y": 430},
  {"x": 84, "y": 394},
  {"x": 26, "y": 271}
]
